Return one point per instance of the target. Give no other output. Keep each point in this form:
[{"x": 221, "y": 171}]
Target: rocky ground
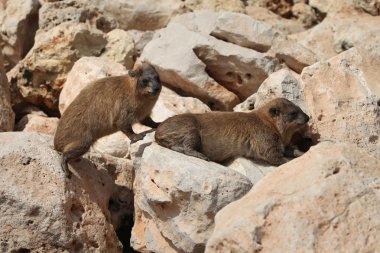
[{"x": 211, "y": 55}]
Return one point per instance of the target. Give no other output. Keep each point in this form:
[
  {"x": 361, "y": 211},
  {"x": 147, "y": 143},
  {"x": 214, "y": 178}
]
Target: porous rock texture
[
  {"x": 326, "y": 201},
  {"x": 176, "y": 199}
]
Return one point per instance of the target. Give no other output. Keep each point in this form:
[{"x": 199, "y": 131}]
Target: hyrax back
[
  {"x": 106, "y": 106},
  {"x": 261, "y": 134}
]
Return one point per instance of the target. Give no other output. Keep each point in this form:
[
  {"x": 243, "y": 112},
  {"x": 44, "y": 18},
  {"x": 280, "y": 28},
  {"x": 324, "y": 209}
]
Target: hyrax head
[
  {"x": 287, "y": 117},
  {"x": 148, "y": 81}
]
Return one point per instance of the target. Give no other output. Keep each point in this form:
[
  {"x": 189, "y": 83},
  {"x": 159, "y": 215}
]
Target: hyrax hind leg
[
  {"x": 73, "y": 151},
  {"x": 190, "y": 145}
]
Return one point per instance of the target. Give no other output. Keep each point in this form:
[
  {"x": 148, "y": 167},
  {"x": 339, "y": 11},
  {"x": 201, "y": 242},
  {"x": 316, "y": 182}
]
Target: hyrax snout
[
  {"x": 105, "y": 106},
  {"x": 261, "y": 134}
]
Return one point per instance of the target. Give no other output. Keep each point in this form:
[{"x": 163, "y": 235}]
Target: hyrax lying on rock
[
  {"x": 106, "y": 106},
  {"x": 260, "y": 134}
]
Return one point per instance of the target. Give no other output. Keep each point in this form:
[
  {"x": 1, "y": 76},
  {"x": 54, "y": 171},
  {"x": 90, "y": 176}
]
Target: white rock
[
  {"x": 325, "y": 201},
  {"x": 176, "y": 198},
  {"x": 37, "y": 124}
]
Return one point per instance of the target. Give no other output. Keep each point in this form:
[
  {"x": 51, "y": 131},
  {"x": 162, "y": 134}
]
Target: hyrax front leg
[
  {"x": 128, "y": 131},
  {"x": 150, "y": 123}
]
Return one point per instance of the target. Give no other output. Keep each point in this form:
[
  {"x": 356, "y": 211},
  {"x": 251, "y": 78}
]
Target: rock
[
  {"x": 327, "y": 6},
  {"x": 39, "y": 77},
  {"x": 281, "y": 7},
  {"x": 37, "y": 124},
  {"x": 7, "y": 116},
  {"x": 292, "y": 53},
  {"x": 371, "y": 6},
  {"x": 285, "y": 26},
  {"x": 41, "y": 210},
  {"x": 343, "y": 96},
  {"x": 120, "y": 48},
  {"x": 140, "y": 39},
  {"x": 283, "y": 83},
  {"x": 215, "y": 5},
  {"x": 325, "y": 201},
  {"x": 85, "y": 71},
  {"x": 176, "y": 198},
  {"x": 200, "y": 21},
  {"x": 305, "y": 13},
  {"x": 246, "y": 105},
  {"x": 244, "y": 31},
  {"x": 19, "y": 23},
  {"x": 180, "y": 67},
  {"x": 340, "y": 32},
  {"x": 251, "y": 169},
  {"x": 116, "y": 144},
  {"x": 170, "y": 103}
]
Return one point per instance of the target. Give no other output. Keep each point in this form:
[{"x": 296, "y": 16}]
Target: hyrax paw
[{"x": 137, "y": 138}]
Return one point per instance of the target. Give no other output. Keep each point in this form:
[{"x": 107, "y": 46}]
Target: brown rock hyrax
[
  {"x": 106, "y": 106},
  {"x": 261, "y": 134}
]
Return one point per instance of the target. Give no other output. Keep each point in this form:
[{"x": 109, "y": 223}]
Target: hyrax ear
[
  {"x": 137, "y": 69},
  {"x": 274, "y": 111}
]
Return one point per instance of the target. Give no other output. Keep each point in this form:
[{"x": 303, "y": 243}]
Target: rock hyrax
[
  {"x": 106, "y": 106},
  {"x": 261, "y": 134}
]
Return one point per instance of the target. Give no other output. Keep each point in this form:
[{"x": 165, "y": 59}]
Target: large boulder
[
  {"x": 342, "y": 95},
  {"x": 7, "y": 116},
  {"x": 176, "y": 199},
  {"x": 39, "y": 77},
  {"x": 37, "y": 124},
  {"x": 325, "y": 201},
  {"x": 41, "y": 210},
  {"x": 19, "y": 23}
]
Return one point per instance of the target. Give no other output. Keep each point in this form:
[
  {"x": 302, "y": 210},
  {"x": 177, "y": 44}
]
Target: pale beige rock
[
  {"x": 7, "y": 116},
  {"x": 33, "y": 123},
  {"x": 243, "y": 30},
  {"x": 85, "y": 71},
  {"x": 170, "y": 103},
  {"x": 340, "y": 32},
  {"x": 325, "y": 201},
  {"x": 19, "y": 23},
  {"x": 343, "y": 96},
  {"x": 120, "y": 48},
  {"x": 215, "y": 5},
  {"x": 116, "y": 144},
  {"x": 253, "y": 170},
  {"x": 370, "y": 6},
  {"x": 280, "y": 7},
  {"x": 176, "y": 198},
  {"x": 41, "y": 210},
  {"x": 286, "y": 26},
  {"x": 305, "y": 14},
  {"x": 200, "y": 21},
  {"x": 140, "y": 39},
  {"x": 327, "y": 6},
  {"x": 40, "y": 75},
  {"x": 179, "y": 66},
  {"x": 292, "y": 53}
]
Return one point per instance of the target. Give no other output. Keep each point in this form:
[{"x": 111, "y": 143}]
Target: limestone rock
[
  {"x": 180, "y": 67},
  {"x": 120, "y": 48},
  {"x": 41, "y": 210},
  {"x": 170, "y": 103},
  {"x": 343, "y": 96},
  {"x": 7, "y": 116},
  {"x": 243, "y": 30},
  {"x": 37, "y": 124},
  {"x": 292, "y": 53},
  {"x": 39, "y": 77},
  {"x": 215, "y": 5},
  {"x": 325, "y": 201},
  {"x": 305, "y": 14},
  {"x": 116, "y": 144},
  {"x": 281, "y": 7},
  {"x": 19, "y": 23},
  {"x": 85, "y": 71},
  {"x": 327, "y": 6},
  {"x": 251, "y": 169},
  {"x": 176, "y": 199},
  {"x": 140, "y": 39},
  {"x": 285, "y": 26},
  {"x": 340, "y": 32},
  {"x": 371, "y": 6}
]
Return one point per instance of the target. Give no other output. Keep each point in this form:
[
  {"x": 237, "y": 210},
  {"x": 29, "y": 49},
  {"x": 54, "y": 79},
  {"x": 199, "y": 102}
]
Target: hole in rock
[{"x": 124, "y": 233}]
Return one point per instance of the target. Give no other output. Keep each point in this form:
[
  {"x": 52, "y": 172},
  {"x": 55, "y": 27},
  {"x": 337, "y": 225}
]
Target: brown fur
[
  {"x": 260, "y": 134},
  {"x": 106, "y": 106}
]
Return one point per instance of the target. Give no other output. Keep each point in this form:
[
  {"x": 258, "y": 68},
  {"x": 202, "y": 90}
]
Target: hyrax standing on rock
[
  {"x": 106, "y": 106},
  {"x": 261, "y": 134}
]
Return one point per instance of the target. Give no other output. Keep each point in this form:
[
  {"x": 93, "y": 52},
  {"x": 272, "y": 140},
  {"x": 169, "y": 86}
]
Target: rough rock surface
[
  {"x": 325, "y": 201},
  {"x": 7, "y": 116},
  {"x": 19, "y": 23},
  {"x": 215, "y": 5},
  {"x": 280, "y": 7},
  {"x": 37, "y": 124},
  {"x": 176, "y": 199},
  {"x": 39, "y": 77},
  {"x": 342, "y": 95},
  {"x": 44, "y": 212}
]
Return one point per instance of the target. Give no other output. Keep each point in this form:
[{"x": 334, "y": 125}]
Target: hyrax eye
[
  {"x": 145, "y": 82},
  {"x": 294, "y": 113}
]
